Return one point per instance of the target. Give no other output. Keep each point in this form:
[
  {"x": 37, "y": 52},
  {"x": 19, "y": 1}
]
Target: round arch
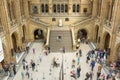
[
  {"x": 15, "y": 38},
  {"x": 38, "y": 34},
  {"x": 82, "y": 33},
  {"x": 106, "y": 39}
]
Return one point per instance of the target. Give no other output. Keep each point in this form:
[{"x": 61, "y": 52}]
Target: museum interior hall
[{"x": 59, "y": 39}]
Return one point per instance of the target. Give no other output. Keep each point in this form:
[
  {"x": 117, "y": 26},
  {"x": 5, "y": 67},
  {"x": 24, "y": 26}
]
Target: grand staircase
[{"x": 57, "y": 44}]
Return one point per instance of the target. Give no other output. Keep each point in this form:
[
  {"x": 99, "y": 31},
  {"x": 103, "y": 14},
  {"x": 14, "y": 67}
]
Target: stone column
[
  {"x": 26, "y": 8},
  {"x": 5, "y": 22},
  {"x": 114, "y": 24},
  {"x": 70, "y": 7},
  {"x": 95, "y": 8},
  {"x": 50, "y": 7}
]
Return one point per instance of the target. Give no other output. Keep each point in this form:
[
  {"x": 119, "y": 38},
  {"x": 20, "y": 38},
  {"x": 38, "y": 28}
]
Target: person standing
[
  {"x": 33, "y": 50},
  {"x": 80, "y": 53},
  {"x": 28, "y": 74},
  {"x": 63, "y": 49},
  {"x": 14, "y": 69},
  {"x": 48, "y": 49}
]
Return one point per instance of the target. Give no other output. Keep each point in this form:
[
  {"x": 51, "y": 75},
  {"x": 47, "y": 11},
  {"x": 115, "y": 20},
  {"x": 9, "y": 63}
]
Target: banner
[{"x": 1, "y": 51}]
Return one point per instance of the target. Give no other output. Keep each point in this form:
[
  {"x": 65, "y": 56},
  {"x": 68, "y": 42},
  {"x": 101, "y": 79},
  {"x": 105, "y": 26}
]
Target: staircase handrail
[
  {"x": 48, "y": 36},
  {"x": 82, "y": 21},
  {"x": 36, "y": 19},
  {"x": 73, "y": 38}
]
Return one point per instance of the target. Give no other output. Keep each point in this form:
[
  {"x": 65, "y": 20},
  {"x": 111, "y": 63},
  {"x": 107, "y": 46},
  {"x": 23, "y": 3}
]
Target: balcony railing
[
  {"x": 37, "y": 20},
  {"x": 82, "y": 21}
]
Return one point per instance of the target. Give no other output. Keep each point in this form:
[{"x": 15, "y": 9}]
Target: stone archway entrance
[
  {"x": 14, "y": 41},
  {"x": 38, "y": 34},
  {"x": 107, "y": 41},
  {"x": 82, "y": 34},
  {"x": 96, "y": 34}
]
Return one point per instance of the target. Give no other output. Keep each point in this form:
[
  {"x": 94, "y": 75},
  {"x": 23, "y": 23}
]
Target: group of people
[{"x": 99, "y": 57}]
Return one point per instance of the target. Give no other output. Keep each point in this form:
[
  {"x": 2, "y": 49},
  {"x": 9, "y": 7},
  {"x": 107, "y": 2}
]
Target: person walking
[
  {"x": 26, "y": 65},
  {"x": 80, "y": 53},
  {"x": 28, "y": 74},
  {"x": 78, "y": 71},
  {"x": 33, "y": 66},
  {"x": 22, "y": 75},
  {"x": 87, "y": 76},
  {"x": 92, "y": 65},
  {"x": 78, "y": 60},
  {"x": 40, "y": 57}
]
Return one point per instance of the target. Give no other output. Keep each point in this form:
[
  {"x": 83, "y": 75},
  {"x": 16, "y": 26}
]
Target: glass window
[
  {"x": 78, "y": 8},
  {"x": 54, "y": 8},
  {"x": 47, "y": 8},
  {"x": 42, "y": 10},
  {"x": 66, "y": 8},
  {"x": 62, "y": 8},
  {"x": 74, "y": 7},
  {"x": 58, "y": 8}
]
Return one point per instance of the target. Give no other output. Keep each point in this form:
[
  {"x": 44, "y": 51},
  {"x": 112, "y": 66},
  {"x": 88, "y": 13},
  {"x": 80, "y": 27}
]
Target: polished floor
[{"x": 44, "y": 70}]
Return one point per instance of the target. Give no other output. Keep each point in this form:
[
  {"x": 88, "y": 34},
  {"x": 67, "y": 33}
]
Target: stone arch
[
  {"x": 15, "y": 41},
  {"x": 82, "y": 33},
  {"x": 96, "y": 33},
  {"x": 106, "y": 40},
  {"x": 38, "y": 34}
]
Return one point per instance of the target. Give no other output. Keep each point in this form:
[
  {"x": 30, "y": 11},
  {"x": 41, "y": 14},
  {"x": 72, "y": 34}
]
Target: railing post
[{"x": 48, "y": 36}]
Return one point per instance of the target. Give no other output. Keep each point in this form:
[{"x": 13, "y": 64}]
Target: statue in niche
[
  {"x": 60, "y": 23},
  {"x": 35, "y": 9}
]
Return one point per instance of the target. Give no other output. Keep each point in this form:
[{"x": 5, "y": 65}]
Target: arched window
[
  {"x": 78, "y": 8},
  {"x": 58, "y": 8},
  {"x": 47, "y": 8},
  {"x": 54, "y": 8},
  {"x": 42, "y": 8},
  {"x": 62, "y": 8},
  {"x": 66, "y": 8},
  {"x": 74, "y": 7},
  {"x": 35, "y": 9}
]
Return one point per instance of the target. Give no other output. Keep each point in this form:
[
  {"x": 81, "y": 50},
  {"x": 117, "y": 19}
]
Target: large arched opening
[
  {"x": 82, "y": 33},
  {"x": 106, "y": 41},
  {"x": 38, "y": 34},
  {"x": 14, "y": 41}
]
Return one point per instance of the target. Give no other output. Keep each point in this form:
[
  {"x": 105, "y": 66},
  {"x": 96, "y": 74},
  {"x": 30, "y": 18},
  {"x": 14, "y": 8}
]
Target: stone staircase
[{"x": 56, "y": 44}]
